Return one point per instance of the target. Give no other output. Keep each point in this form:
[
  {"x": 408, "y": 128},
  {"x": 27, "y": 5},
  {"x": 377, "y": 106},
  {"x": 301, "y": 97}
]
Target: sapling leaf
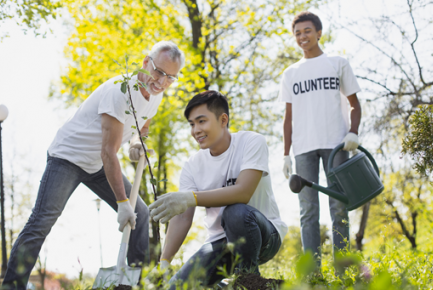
[
  {"x": 127, "y": 112},
  {"x": 153, "y": 181},
  {"x": 126, "y": 58},
  {"x": 135, "y": 87},
  {"x": 134, "y": 63},
  {"x": 155, "y": 165},
  {"x": 123, "y": 87},
  {"x": 116, "y": 62},
  {"x": 144, "y": 138},
  {"x": 135, "y": 73},
  {"x": 144, "y": 71},
  {"x": 163, "y": 180},
  {"x": 144, "y": 118},
  {"x": 133, "y": 127},
  {"x": 118, "y": 81}
]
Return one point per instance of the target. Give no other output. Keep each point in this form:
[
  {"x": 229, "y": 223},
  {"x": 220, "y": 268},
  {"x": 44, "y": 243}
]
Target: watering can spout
[{"x": 296, "y": 184}]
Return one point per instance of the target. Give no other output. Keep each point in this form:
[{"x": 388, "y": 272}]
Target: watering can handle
[{"x": 339, "y": 147}]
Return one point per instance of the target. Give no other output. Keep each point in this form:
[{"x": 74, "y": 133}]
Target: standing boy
[
  {"x": 315, "y": 90},
  {"x": 230, "y": 177}
]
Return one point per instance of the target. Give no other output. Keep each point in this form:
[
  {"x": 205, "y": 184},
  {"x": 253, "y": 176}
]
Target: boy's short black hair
[
  {"x": 307, "y": 16},
  {"x": 215, "y": 102}
]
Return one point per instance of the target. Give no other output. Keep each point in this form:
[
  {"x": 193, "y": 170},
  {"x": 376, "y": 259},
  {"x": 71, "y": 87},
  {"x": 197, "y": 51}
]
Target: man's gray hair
[{"x": 167, "y": 46}]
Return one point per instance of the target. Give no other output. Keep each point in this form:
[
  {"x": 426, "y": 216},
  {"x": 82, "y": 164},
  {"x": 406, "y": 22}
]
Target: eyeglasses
[{"x": 162, "y": 74}]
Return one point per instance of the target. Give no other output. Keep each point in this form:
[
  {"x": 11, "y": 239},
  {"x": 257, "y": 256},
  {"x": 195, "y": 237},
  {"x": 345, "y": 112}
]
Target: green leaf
[
  {"x": 163, "y": 180},
  {"x": 155, "y": 165},
  {"x": 144, "y": 71},
  {"x": 144, "y": 138},
  {"x": 127, "y": 112},
  {"x": 126, "y": 58},
  {"x": 134, "y": 73},
  {"x": 153, "y": 181},
  {"x": 116, "y": 62},
  {"x": 144, "y": 118},
  {"x": 134, "y": 63},
  {"x": 123, "y": 87},
  {"x": 133, "y": 127},
  {"x": 118, "y": 81}
]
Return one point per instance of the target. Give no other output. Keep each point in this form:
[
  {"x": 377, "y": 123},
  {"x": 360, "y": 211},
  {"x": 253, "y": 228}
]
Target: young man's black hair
[
  {"x": 307, "y": 16},
  {"x": 215, "y": 102}
]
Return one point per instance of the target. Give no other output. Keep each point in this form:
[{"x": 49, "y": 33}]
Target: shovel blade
[{"x": 108, "y": 277}]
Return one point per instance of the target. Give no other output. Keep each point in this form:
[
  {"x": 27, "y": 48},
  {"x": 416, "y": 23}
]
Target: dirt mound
[
  {"x": 256, "y": 282},
  {"x": 123, "y": 287}
]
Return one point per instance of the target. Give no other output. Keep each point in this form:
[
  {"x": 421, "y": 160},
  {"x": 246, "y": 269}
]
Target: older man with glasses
[{"x": 85, "y": 149}]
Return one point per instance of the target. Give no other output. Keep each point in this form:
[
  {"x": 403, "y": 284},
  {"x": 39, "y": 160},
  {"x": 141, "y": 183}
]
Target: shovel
[{"x": 121, "y": 274}]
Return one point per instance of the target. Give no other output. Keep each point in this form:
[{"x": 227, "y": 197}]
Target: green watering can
[{"x": 354, "y": 182}]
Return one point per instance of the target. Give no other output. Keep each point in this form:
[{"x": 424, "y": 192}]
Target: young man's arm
[
  {"x": 174, "y": 203},
  {"x": 351, "y": 140},
  {"x": 176, "y": 233},
  {"x": 355, "y": 113},
  {"x": 287, "y": 128},
  {"x": 241, "y": 192}
]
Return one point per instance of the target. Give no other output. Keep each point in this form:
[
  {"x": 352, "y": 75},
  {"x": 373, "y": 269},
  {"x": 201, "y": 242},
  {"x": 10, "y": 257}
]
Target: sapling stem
[{"x": 139, "y": 84}]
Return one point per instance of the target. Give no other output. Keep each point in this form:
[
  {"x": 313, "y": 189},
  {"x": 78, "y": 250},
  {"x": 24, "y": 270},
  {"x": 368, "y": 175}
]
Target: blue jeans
[
  {"x": 307, "y": 166},
  {"x": 250, "y": 236},
  {"x": 59, "y": 181}
]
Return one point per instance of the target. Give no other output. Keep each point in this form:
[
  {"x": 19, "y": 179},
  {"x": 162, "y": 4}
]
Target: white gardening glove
[
  {"x": 287, "y": 168},
  {"x": 136, "y": 150},
  {"x": 125, "y": 214},
  {"x": 157, "y": 271},
  {"x": 350, "y": 142},
  {"x": 171, "y": 204}
]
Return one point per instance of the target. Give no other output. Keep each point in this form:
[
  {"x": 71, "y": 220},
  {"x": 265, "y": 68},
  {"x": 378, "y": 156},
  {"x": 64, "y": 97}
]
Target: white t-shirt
[
  {"x": 79, "y": 140},
  {"x": 318, "y": 89},
  {"x": 248, "y": 150}
]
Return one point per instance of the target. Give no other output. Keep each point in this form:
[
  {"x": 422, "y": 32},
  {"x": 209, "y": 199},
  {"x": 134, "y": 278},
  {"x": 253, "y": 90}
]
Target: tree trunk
[{"x": 362, "y": 226}]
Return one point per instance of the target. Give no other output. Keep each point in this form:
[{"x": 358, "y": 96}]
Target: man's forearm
[
  {"x": 287, "y": 129},
  {"x": 177, "y": 230},
  {"x": 114, "y": 175},
  {"x": 355, "y": 119}
]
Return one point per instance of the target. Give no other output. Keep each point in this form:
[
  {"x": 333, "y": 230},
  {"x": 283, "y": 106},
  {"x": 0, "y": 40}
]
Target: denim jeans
[
  {"x": 307, "y": 166},
  {"x": 59, "y": 181},
  {"x": 250, "y": 236}
]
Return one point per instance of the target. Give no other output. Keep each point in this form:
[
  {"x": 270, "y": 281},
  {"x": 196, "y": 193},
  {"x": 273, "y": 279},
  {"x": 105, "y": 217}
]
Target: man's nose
[{"x": 162, "y": 80}]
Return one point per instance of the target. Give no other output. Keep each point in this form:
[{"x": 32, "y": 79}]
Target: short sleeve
[
  {"x": 113, "y": 103},
  {"x": 256, "y": 154},
  {"x": 186, "y": 179},
  {"x": 348, "y": 83},
  {"x": 285, "y": 94}
]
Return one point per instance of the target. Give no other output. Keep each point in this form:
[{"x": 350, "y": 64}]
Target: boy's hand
[
  {"x": 160, "y": 270},
  {"x": 351, "y": 142},
  {"x": 287, "y": 168},
  {"x": 171, "y": 204}
]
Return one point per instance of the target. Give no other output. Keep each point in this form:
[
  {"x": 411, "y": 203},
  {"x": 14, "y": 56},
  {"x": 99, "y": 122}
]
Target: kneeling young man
[{"x": 230, "y": 177}]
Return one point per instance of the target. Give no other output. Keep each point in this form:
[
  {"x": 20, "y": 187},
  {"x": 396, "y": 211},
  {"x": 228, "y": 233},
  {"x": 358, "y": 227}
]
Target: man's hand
[
  {"x": 162, "y": 269},
  {"x": 287, "y": 168},
  {"x": 125, "y": 214},
  {"x": 351, "y": 142},
  {"x": 136, "y": 150},
  {"x": 171, "y": 204}
]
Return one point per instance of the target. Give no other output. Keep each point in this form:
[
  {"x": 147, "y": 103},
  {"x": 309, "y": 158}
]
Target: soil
[
  {"x": 248, "y": 281},
  {"x": 256, "y": 282},
  {"x": 123, "y": 287}
]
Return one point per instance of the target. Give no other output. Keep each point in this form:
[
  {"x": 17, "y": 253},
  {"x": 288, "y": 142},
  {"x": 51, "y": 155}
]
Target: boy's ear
[
  {"x": 224, "y": 119},
  {"x": 319, "y": 34}
]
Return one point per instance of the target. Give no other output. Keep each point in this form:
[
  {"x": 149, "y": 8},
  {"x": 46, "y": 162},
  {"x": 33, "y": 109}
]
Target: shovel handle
[{"x": 133, "y": 195}]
